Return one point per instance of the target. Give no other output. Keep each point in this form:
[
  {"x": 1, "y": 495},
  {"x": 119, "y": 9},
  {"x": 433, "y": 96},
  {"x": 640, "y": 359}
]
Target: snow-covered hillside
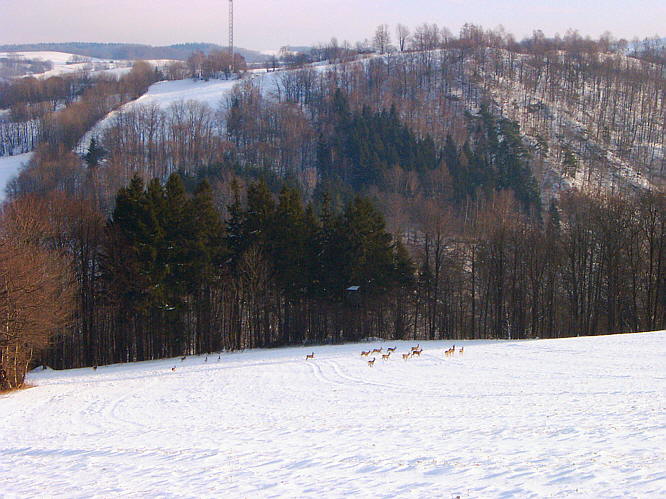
[
  {"x": 9, "y": 167},
  {"x": 557, "y": 418},
  {"x": 163, "y": 94},
  {"x": 65, "y": 63}
]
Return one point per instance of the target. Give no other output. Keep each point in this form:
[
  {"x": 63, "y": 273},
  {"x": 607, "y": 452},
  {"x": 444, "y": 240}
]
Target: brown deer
[
  {"x": 365, "y": 354},
  {"x": 416, "y": 347},
  {"x": 406, "y": 356},
  {"x": 391, "y": 350},
  {"x": 462, "y": 350},
  {"x": 309, "y": 356},
  {"x": 173, "y": 369},
  {"x": 94, "y": 368},
  {"x": 377, "y": 350},
  {"x": 417, "y": 353},
  {"x": 386, "y": 356},
  {"x": 371, "y": 362}
]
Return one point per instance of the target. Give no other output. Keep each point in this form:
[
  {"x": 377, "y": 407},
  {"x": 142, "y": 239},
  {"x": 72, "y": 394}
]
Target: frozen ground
[
  {"x": 9, "y": 167},
  {"x": 577, "y": 418}
]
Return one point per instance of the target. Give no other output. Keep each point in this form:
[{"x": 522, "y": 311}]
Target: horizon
[{"x": 265, "y": 25}]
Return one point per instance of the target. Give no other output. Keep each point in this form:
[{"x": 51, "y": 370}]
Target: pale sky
[{"x": 270, "y": 24}]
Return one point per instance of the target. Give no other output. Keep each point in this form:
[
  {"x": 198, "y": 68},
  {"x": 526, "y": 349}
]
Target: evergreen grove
[{"x": 182, "y": 279}]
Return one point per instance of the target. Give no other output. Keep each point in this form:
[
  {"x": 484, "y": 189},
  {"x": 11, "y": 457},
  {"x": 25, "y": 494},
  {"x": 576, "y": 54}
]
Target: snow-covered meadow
[
  {"x": 583, "y": 417},
  {"x": 10, "y": 166}
]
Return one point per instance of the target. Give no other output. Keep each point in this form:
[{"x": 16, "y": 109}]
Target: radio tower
[{"x": 231, "y": 34}]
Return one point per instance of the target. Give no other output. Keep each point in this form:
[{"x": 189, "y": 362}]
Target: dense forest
[{"x": 444, "y": 187}]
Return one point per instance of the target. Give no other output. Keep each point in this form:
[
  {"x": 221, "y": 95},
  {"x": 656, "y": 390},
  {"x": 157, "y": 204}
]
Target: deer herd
[{"x": 414, "y": 352}]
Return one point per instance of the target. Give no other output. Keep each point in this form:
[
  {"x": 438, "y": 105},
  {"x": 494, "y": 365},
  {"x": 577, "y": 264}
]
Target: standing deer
[
  {"x": 365, "y": 354},
  {"x": 377, "y": 350},
  {"x": 386, "y": 356},
  {"x": 391, "y": 350},
  {"x": 406, "y": 356},
  {"x": 416, "y": 347},
  {"x": 309, "y": 356},
  {"x": 371, "y": 362},
  {"x": 417, "y": 353}
]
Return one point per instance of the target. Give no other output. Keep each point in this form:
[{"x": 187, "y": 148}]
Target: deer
[
  {"x": 206, "y": 359},
  {"x": 365, "y": 354},
  {"x": 309, "y": 356},
  {"x": 371, "y": 362},
  {"x": 391, "y": 350},
  {"x": 386, "y": 356},
  {"x": 173, "y": 369},
  {"x": 406, "y": 356},
  {"x": 182, "y": 359},
  {"x": 462, "y": 350},
  {"x": 417, "y": 353},
  {"x": 219, "y": 357},
  {"x": 416, "y": 347},
  {"x": 377, "y": 350},
  {"x": 95, "y": 368}
]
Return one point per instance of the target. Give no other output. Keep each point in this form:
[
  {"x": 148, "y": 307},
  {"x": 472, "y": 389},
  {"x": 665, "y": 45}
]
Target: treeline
[
  {"x": 169, "y": 276},
  {"x": 174, "y": 273},
  {"x": 129, "y": 51}
]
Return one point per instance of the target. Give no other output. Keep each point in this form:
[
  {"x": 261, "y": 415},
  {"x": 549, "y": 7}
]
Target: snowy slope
[
  {"x": 9, "y": 167},
  {"x": 166, "y": 93},
  {"x": 557, "y": 418},
  {"x": 63, "y": 65}
]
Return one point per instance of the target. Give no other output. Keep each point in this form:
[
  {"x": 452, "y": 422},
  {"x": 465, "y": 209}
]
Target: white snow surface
[
  {"x": 166, "y": 93},
  {"x": 582, "y": 417},
  {"x": 9, "y": 167},
  {"x": 63, "y": 65}
]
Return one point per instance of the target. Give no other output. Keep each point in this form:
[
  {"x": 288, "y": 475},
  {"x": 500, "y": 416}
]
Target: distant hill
[{"x": 129, "y": 51}]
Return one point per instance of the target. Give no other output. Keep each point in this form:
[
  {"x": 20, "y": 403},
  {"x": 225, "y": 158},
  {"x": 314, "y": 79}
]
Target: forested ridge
[{"x": 408, "y": 194}]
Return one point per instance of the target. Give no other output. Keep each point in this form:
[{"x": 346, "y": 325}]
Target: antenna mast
[{"x": 231, "y": 34}]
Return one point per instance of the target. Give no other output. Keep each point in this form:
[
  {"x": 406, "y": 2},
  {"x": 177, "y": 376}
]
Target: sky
[{"x": 270, "y": 24}]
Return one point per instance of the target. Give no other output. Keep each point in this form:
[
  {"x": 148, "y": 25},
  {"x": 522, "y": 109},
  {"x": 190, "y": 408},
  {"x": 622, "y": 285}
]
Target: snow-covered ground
[
  {"x": 166, "y": 93},
  {"x": 581, "y": 417},
  {"x": 65, "y": 63},
  {"x": 9, "y": 167}
]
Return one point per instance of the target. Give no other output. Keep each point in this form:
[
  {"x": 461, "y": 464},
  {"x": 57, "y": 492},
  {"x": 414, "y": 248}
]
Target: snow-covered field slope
[
  {"x": 64, "y": 63},
  {"x": 166, "y": 93},
  {"x": 557, "y": 418},
  {"x": 9, "y": 167}
]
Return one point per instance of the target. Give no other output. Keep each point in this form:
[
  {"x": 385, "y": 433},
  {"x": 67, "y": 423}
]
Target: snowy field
[
  {"x": 64, "y": 63},
  {"x": 9, "y": 167},
  {"x": 582, "y": 417}
]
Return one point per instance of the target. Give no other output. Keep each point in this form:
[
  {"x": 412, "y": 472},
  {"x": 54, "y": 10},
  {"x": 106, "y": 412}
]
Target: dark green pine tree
[
  {"x": 259, "y": 213},
  {"x": 135, "y": 220},
  {"x": 332, "y": 274},
  {"x": 207, "y": 250},
  {"x": 235, "y": 240},
  {"x": 178, "y": 244},
  {"x": 370, "y": 248},
  {"x": 95, "y": 153},
  {"x": 288, "y": 243}
]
